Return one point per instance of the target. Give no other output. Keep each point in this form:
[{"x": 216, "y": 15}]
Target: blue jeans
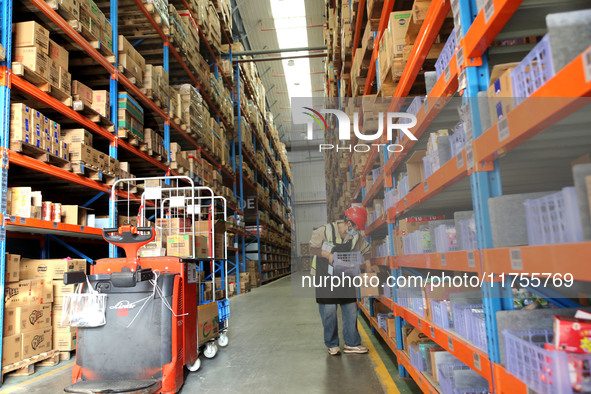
[{"x": 328, "y": 313}]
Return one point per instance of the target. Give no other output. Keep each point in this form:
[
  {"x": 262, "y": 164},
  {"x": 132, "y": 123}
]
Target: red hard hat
[{"x": 357, "y": 215}]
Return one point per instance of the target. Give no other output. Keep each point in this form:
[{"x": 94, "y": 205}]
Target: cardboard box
[
  {"x": 31, "y": 34},
  {"x": 53, "y": 73},
  {"x": 207, "y": 319},
  {"x": 49, "y": 268},
  {"x": 20, "y": 122},
  {"x": 81, "y": 152},
  {"x": 59, "y": 289},
  {"x": 36, "y": 342},
  {"x": 72, "y": 136},
  {"x": 396, "y": 32},
  {"x": 411, "y": 336},
  {"x": 34, "y": 59},
  {"x": 27, "y": 318},
  {"x": 368, "y": 291},
  {"x": 11, "y": 349},
  {"x": 59, "y": 54},
  {"x": 20, "y": 201},
  {"x": 12, "y": 268},
  {"x": 179, "y": 245},
  {"x": 65, "y": 81},
  {"x": 201, "y": 246},
  {"x": 64, "y": 340},
  {"x": 27, "y": 292},
  {"x": 414, "y": 168},
  {"x": 71, "y": 6},
  {"x": 74, "y": 214},
  {"x": 83, "y": 92},
  {"x": 101, "y": 102},
  {"x": 391, "y": 325},
  {"x": 500, "y": 91}
]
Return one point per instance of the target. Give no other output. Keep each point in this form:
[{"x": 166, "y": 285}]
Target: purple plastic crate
[
  {"x": 461, "y": 315},
  {"x": 440, "y": 313},
  {"x": 457, "y": 140},
  {"x": 547, "y": 372},
  {"x": 416, "y": 358},
  {"x": 416, "y": 105},
  {"x": 445, "y": 375},
  {"x": 446, "y": 54},
  {"x": 533, "y": 71},
  {"x": 478, "y": 329},
  {"x": 554, "y": 218}
]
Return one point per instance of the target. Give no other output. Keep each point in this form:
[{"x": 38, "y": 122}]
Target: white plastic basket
[
  {"x": 554, "y": 218},
  {"x": 84, "y": 309},
  {"x": 347, "y": 263}
]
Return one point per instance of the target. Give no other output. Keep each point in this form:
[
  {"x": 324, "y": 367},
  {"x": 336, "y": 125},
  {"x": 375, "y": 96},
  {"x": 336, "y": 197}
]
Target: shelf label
[
  {"x": 516, "y": 261},
  {"x": 477, "y": 361},
  {"x": 468, "y": 130},
  {"x": 462, "y": 81},
  {"x": 432, "y": 332},
  {"x": 447, "y": 73},
  {"x": 503, "y": 126},
  {"x": 450, "y": 344},
  {"x": 460, "y": 159},
  {"x": 426, "y": 186},
  {"x": 426, "y": 104},
  {"x": 405, "y": 202},
  {"x": 420, "y": 382},
  {"x": 443, "y": 262},
  {"x": 489, "y": 10},
  {"x": 420, "y": 324},
  {"x": 54, "y": 224},
  {"x": 23, "y": 220},
  {"x": 469, "y": 155},
  {"x": 471, "y": 261},
  {"x": 81, "y": 228},
  {"x": 587, "y": 64},
  {"x": 460, "y": 56}
]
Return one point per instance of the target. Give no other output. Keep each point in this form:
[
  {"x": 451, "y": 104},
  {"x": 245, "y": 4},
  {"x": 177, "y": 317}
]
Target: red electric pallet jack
[{"x": 151, "y": 321}]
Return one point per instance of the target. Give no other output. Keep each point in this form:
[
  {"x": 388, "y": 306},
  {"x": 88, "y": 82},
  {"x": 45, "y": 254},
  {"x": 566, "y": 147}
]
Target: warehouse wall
[{"x": 309, "y": 193}]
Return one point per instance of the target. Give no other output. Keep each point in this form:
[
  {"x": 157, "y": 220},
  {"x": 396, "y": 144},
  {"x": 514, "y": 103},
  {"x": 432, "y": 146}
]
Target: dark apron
[{"x": 339, "y": 295}]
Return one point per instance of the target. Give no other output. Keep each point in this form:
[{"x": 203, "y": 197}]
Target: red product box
[{"x": 572, "y": 334}]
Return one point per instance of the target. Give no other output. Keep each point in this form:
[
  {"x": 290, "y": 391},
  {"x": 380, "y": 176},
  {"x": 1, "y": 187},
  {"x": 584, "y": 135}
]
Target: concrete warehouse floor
[{"x": 275, "y": 345}]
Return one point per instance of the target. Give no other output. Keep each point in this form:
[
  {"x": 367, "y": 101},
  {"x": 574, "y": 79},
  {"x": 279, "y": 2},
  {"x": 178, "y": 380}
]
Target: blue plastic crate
[
  {"x": 461, "y": 316},
  {"x": 533, "y": 71},
  {"x": 223, "y": 309},
  {"x": 545, "y": 371}
]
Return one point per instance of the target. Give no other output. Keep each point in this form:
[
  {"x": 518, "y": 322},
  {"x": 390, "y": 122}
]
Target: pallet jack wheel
[
  {"x": 195, "y": 366},
  {"x": 223, "y": 340},
  {"x": 211, "y": 350}
]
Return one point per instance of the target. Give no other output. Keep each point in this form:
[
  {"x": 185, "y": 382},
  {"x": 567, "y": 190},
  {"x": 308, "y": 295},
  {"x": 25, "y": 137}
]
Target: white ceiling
[{"x": 260, "y": 26}]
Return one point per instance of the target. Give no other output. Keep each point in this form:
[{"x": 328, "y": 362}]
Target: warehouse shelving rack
[
  {"x": 62, "y": 233},
  {"x": 477, "y": 164},
  {"x": 260, "y": 177}
]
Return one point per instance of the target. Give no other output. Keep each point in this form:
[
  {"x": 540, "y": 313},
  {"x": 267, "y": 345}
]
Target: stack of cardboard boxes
[
  {"x": 94, "y": 26},
  {"x": 130, "y": 115},
  {"x": 193, "y": 112},
  {"x": 28, "y": 302},
  {"x": 81, "y": 151},
  {"x": 252, "y": 268},
  {"x": 42, "y": 56},
  {"x": 156, "y": 85},
  {"x": 132, "y": 62},
  {"x": 29, "y": 126}
]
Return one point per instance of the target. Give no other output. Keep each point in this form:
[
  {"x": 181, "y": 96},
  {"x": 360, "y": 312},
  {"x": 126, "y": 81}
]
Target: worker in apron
[{"x": 341, "y": 236}]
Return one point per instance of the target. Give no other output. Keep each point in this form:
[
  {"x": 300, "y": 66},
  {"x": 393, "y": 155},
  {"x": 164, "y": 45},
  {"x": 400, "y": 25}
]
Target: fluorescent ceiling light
[{"x": 290, "y": 22}]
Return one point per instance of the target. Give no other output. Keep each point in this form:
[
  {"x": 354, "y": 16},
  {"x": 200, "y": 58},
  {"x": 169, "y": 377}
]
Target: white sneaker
[
  {"x": 355, "y": 349},
  {"x": 334, "y": 351}
]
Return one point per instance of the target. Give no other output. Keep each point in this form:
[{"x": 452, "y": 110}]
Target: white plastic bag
[{"x": 84, "y": 309}]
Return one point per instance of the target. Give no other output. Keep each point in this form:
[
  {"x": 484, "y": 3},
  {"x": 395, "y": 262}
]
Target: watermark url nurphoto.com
[{"x": 534, "y": 279}]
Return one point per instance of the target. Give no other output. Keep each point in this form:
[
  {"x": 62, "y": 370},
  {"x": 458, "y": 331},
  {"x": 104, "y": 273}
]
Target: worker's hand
[{"x": 327, "y": 255}]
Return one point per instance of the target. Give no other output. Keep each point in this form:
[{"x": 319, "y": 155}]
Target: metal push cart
[{"x": 195, "y": 210}]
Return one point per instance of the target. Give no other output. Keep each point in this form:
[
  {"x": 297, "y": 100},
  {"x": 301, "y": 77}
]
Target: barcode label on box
[
  {"x": 587, "y": 64},
  {"x": 477, "y": 361},
  {"x": 516, "y": 261},
  {"x": 450, "y": 344},
  {"x": 443, "y": 262},
  {"x": 447, "y": 73},
  {"x": 503, "y": 126},
  {"x": 471, "y": 261},
  {"x": 460, "y": 56},
  {"x": 469, "y": 155},
  {"x": 489, "y": 10},
  {"x": 460, "y": 159}
]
